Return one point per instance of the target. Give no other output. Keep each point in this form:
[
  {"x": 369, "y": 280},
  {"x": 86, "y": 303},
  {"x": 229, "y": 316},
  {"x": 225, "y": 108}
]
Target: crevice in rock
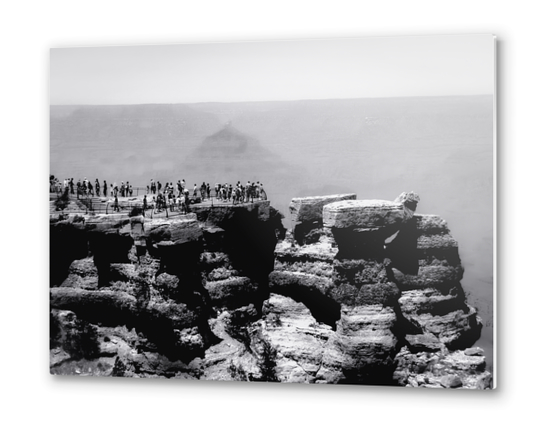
[{"x": 323, "y": 308}]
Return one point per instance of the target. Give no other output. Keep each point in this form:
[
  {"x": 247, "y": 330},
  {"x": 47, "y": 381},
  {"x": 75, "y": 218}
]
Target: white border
[
  {"x": 495, "y": 203},
  {"x": 29, "y": 30}
]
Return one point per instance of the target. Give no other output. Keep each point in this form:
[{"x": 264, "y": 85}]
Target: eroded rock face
[
  {"x": 360, "y": 227},
  {"x": 396, "y": 278},
  {"x": 296, "y": 336},
  {"x": 362, "y": 349},
  {"x": 163, "y": 277},
  {"x": 360, "y": 292}
]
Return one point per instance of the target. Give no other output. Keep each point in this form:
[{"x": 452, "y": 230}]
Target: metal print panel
[{"x": 302, "y": 211}]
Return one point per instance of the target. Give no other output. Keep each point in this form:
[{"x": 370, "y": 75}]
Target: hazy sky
[{"x": 277, "y": 70}]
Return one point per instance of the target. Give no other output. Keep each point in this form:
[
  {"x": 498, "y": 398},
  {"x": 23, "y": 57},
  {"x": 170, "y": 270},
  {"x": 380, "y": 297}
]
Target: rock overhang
[
  {"x": 309, "y": 209},
  {"x": 363, "y": 214}
]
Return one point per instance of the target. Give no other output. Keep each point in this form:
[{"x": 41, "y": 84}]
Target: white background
[{"x": 29, "y": 29}]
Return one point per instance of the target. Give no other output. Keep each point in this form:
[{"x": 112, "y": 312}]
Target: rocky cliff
[{"x": 360, "y": 292}]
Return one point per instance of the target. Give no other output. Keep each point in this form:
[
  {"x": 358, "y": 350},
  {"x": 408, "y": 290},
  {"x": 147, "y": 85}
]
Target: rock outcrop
[
  {"x": 307, "y": 213},
  {"x": 165, "y": 278},
  {"x": 360, "y": 292},
  {"x": 390, "y": 280}
]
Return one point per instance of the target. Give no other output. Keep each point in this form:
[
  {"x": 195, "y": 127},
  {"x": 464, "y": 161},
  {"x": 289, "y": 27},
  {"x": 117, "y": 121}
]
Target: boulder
[
  {"x": 309, "y": 209},
  {"x": 410, "y": 201},
  {"x": 368, "y": 215}
]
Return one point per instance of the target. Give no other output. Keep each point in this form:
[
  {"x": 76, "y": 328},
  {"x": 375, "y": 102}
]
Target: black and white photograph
[{"x": 316, "y": 211}]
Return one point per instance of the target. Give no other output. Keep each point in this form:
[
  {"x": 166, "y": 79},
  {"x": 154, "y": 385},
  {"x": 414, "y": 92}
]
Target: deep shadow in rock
[
  {"x": 67, "y": 242},
  {"x": 402, "y": 250}
]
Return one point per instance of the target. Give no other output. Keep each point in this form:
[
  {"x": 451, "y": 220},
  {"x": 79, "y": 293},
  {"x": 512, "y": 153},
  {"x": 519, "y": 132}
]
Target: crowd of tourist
[
  {"x": 86, "y": 188},
  {"x": 173, "y": 197},
  {"x": 178, "y": 196}
]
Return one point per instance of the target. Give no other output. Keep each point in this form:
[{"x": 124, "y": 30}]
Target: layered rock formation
[
  {"x": 163, "y": 278},
  {"x": 390, "y": 283},
  {"x": 360, "y": 292}
]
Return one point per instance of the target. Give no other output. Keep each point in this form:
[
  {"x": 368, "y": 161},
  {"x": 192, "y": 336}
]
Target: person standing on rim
[{"x": 203, "y": 191}]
